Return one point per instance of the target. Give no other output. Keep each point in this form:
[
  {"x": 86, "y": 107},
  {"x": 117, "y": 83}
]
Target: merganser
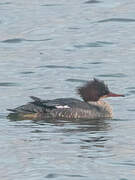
[{"x": 92, "y": 106}]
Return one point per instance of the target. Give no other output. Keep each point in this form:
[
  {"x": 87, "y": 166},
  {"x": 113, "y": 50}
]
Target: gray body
[{"x": 63, "y": 108}]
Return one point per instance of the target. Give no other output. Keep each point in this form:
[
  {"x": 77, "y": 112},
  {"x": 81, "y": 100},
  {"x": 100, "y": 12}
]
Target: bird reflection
[
  {"x": 74, "y": 125},
  {"x": 88, "y": 134},
  {"x": 78, "y": 125}
]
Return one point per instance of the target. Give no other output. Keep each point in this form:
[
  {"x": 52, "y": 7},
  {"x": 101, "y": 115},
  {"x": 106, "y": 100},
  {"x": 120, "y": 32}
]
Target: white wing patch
[{"x": 62, "y": 107}]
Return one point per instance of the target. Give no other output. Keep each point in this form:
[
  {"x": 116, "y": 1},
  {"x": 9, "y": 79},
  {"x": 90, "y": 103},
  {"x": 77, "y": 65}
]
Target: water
[{"x": 47, "y": 49}]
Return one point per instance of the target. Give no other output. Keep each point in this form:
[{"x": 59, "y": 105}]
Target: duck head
[{"x": 94, "y": 90}]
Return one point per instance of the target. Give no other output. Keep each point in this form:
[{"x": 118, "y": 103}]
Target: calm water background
[{"x": 47, "y": 49}]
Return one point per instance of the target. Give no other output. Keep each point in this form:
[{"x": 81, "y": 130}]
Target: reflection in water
[
  {"x": 90, "y": 135},
  {"x": 48, "y": 143},
  {"x": 86, "y": 125},
  {"x": 79, "y": 125}
]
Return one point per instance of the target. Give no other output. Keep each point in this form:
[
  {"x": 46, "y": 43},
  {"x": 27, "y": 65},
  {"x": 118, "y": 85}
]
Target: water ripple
[
  {"x": 95, "y": 62},
  {"x": 5, "y": 3},
  {"x": 130, "y": 88},
  {"x": 54, "y": 175},
  {"x": 117, "y": 20},
  {"x": 113, "y": 75},
  {"x": 92, "y": 2},
  {"x": 27, "y": 72},
  {"x": 76, "y": 80},
  {"x": 48, "y": 87},
  {"x": 19, "y": 40},
  {"x": 5, "y": 84},
  {"x": 131, "y": 110},
  {"x": 94, "y": 44},
  {"x": 132, "y": 92},
  {"x": 74, "y": 28},
  {"x": 15, "y": 40},
  {"x": 129, "y": 163},
  {"x": 51, "y": 5},
  {"x": 61, "y": 67}
]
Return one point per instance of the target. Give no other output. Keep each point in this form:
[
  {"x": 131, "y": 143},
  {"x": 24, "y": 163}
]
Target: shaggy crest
[{"x": 93, "y": 90}]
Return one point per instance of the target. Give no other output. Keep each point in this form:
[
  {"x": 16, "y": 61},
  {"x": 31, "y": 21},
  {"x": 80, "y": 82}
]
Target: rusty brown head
[{"x": 94, "y": 90}]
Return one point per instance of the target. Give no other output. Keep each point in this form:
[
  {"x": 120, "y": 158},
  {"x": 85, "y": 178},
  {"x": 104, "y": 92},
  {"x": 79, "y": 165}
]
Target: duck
[{"x": 92, "y": 105}]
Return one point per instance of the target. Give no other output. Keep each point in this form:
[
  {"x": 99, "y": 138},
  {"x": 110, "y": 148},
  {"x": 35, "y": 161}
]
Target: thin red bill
[{"x": 114, "y": 95}]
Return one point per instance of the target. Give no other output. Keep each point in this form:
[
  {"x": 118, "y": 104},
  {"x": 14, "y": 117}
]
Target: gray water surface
[{"x": 47, "y": 49}]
